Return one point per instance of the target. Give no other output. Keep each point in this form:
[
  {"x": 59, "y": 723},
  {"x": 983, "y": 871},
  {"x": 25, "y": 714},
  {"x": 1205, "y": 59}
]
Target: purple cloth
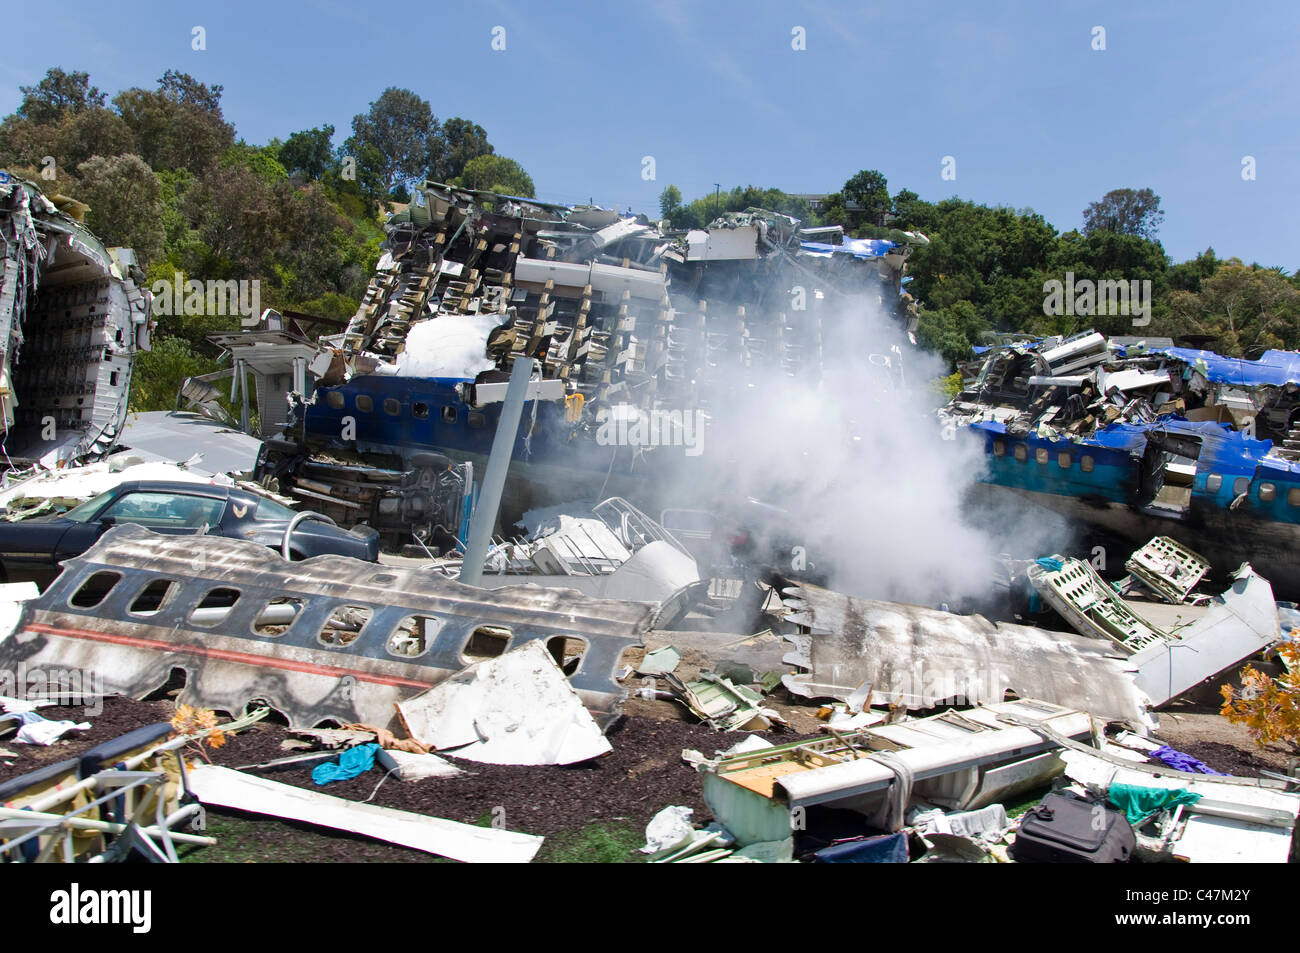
[{"x": 1182, "y": 762}]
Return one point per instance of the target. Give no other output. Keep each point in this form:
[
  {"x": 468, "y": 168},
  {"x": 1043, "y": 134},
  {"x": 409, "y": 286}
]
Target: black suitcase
[{"x": 1069, "y": 830}]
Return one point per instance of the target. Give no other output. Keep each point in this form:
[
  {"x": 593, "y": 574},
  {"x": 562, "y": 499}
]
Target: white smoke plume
[{"x": 858, "y": 458}]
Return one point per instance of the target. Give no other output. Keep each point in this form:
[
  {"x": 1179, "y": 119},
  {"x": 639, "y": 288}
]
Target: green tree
[
  {"x": 496, "y": 173},
  {"x": 159, "y": 372},
  {"x": 1188, "y": 275},
  {"x": 24, "y": 143},
  {"x": 1105, "y": 256},
  {"x": 260, "y": 160},
  {"x": 459, "y": 142},
  {"x": 833, "y": 210},
  {"x": 92, "y": 132},
  {"x": 123, "y": 195},
  {"x": 669, "y": 200},
  {"x": 909, "y": 210},
  {"x": 179, "y": 125},
  {"x": 308, "y": 153},
  {"x": 951, "y": 330},
  {"x": 357, "y": 178},
  {"x": 870, "y": 190},
  {"x": 404, "y": 132},
  {"x": 1125, "y": 212},
  {"x": 58, "y": 94}
]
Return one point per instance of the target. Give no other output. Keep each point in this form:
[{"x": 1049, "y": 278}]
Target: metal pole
[
  {"x": 241, "y": 370},
  {"x": 494, "y": 480}
]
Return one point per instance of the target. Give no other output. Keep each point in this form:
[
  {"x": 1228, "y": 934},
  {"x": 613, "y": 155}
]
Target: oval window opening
[
  {"x": 485, "y": 642},
  {"x": 413, "y": 636},
  {"x": 95, "y": 589},
  {"x": 344, "y": 625},
  {"x": 214, "y": 608}
]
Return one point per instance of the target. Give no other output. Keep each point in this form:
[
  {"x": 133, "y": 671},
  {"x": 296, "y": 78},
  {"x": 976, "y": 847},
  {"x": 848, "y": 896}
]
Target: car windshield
[{"x": 84, "y": 512}]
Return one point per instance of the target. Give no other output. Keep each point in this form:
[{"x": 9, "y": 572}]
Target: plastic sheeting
[{"x": 1274, "y": 368}]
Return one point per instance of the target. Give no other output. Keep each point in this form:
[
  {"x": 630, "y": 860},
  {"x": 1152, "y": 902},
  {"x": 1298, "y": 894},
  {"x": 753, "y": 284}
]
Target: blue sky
[{"x": 1014, "y": 92}]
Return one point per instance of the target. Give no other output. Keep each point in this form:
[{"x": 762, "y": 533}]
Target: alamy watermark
[
  {"x": 625, "y": 425},
  {"x": 1088, "y": 298},
  {"x": 62, "y": 686},
  {"x": 212, "y": 297},
  {"x": 88, "y": 905}
]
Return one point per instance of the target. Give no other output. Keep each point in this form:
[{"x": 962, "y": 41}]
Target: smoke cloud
[{"x": 857, "y": 458}]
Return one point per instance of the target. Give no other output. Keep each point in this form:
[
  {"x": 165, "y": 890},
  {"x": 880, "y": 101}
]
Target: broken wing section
[
  {"x": 329, "y": 638},
  {"x": 920, "y": 657}
]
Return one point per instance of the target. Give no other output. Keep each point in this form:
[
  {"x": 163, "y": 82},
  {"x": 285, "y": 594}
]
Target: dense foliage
[{"x": 163, "y": 172}]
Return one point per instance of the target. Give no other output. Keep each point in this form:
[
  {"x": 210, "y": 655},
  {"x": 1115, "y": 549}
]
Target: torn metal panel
[
  {"x": 222, "y": 787},
  {"x": 174, "y": 437},
  {"x": 922, "y": 657},
  {"x": 515, "y": 709},
  {"x": 1245, "y": 622},
  {"x": 359, "y": 638},
  {"x": 1169, "y": 660}
]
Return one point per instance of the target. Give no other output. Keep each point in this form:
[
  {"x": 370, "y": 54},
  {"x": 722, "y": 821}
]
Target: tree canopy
[
  {"x": 494, "y": 173},
  {"x": 1125, "y": 212},
  {"x": 58, "y": 94}
]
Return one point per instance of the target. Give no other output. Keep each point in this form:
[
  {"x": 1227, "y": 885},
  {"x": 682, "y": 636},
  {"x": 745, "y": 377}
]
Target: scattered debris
[
  {"x": 640, "y": 335},
  {"x": 36, "y": 730},
  {"x": 355, "y": 760},
  {"x": 120, "y": 800},
  {"x": 722, "y": 703},
  {"x": 661, "y": 661},
  {"x": 408, "y": 766},
  {"x": 1169, "y": 570}
]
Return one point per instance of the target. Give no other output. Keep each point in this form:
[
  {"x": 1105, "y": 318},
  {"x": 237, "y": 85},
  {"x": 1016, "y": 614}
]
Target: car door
[{"x": 28, "y": 549}]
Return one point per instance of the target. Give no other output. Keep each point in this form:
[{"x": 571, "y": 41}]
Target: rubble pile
[{"x": 824, "y": 726}]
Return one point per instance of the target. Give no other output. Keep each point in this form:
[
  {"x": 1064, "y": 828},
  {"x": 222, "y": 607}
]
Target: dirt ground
[{"x": 619, "y": 792}]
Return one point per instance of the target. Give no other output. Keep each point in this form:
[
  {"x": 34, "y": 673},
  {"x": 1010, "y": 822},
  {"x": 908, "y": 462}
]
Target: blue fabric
[
  {"x": 1049, "y": 563},
  {"x": 890, "y": 849},
  {"x": 1183, "y": 762},
  {"x": 352, "y": 762}
]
